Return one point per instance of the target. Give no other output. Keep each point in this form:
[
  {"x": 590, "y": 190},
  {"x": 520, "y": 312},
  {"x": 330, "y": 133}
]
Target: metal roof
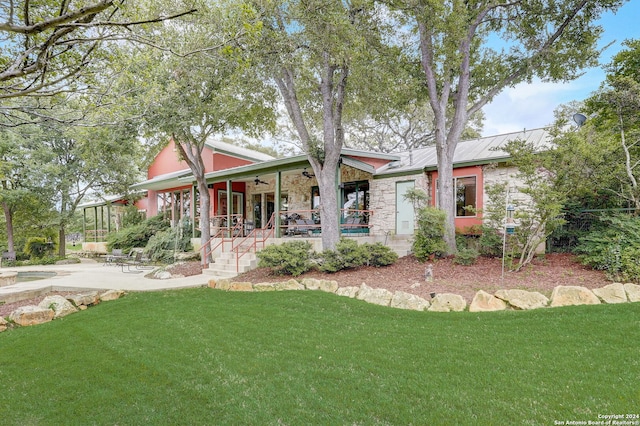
[
  {"x": 237, "y": 151},
  {"x": 167, "y": 180},
  {"x": 475, "y": 151}
]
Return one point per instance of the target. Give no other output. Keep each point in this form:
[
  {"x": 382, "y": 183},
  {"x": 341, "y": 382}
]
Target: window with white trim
[{"x": 465, "y": 196}]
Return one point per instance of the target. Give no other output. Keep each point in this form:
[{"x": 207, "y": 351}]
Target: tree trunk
[
  {"x": 446, "y": 196},
  {"x": 328, "y": 205},
  {"x": 191, "y": 152},
  {"x": 205, "y": 217},
  {"x": 62, "y": 237},
  {"x": 8, "y": 218}
]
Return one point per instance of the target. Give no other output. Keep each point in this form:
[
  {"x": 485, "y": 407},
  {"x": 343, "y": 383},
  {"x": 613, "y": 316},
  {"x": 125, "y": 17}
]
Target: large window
[{"x": 465, "y": 194}]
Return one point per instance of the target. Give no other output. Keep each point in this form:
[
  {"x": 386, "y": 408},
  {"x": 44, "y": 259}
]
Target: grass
[{"x": 208, "y": 357}]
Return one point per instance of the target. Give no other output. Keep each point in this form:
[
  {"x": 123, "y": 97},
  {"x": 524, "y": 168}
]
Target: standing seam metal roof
[{"x": 474, "y": 150}]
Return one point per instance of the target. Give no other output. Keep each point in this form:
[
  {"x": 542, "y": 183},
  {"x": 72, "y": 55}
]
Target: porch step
[
  {"x": 225, "y": 265},
  {"x": 403, "y": 246}
]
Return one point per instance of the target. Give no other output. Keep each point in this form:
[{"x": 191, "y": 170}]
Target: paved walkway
[{"x": 91, "y": 274}]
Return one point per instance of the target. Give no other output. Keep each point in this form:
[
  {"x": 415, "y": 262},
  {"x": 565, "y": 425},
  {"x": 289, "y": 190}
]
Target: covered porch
[{"x": 283, "y": 195}]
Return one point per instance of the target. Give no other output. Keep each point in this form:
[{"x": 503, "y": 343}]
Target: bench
[{"x": 138, "y": 261}]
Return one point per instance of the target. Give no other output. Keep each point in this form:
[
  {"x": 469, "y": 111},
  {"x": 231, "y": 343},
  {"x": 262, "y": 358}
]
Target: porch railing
[
  {"x": 250, "y": 243},
  {"x": 96, "y": 235},
  {"x": 240, "y": 243},
  {"x": 307, "y": 222},
  {"x": 226, "y": 235}
]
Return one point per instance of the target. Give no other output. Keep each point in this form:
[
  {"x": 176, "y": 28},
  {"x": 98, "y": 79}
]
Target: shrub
[
  {"x": 466, "y": 256},
  {"x": 38, "y": 247},
  {"x": 163, "y": 246},
  {"x": 490, "y": 242},
  {"x": 290, "y": 258},
  {"x": 614, "y": 247},
  {"x": 428, "y": 239},
  {"x": 378, "y": 254},
  {"x": 138, "y": 235},
  {"x": 348, "y": 254}
]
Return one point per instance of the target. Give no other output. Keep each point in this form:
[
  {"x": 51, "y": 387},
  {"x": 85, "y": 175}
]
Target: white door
[{"x": 404, "y": 209}]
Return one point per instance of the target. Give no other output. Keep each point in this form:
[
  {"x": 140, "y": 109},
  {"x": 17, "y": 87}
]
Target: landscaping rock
[
  {"x": 162, "y": 274},
  {"x": 522, "y": 299},
  {"x": 31, "y": 315},
  {"x": 377, "y": 296},
  {"x": 350, "y": 291},
  {"x": 86, "y": 299},
  {"x": 264, "y": 287},
  {"x": 240, "y": 286},
  {"x": 573, "y": 295},
  {"x": 289, "y": 285},
  {"x": 111, "y": 295},
  {"x": 410, "y": 301},
  {"x": 223, "y": 284},
  {"x": 60, "y": 305},
  {"x": 633, "y": 292},
  {"x": 612, "y": 293},
  {"x": 447, "y": 302},
  {"x": 3, "y": 324},
  {"x": 485, "y": 302},
  {"x": 330, "y": 286}
]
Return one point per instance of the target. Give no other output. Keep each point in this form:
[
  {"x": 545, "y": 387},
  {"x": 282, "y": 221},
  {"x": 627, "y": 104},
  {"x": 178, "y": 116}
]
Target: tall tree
[
  {"x": 203, "y": 90},
  {"x": 47, "y": 44},
  {"x": 310, "y": 49},
  {"x": 615, "y": 121},
  {"x": 75, "y": 161},
  {"x": 465, "y": 65}
]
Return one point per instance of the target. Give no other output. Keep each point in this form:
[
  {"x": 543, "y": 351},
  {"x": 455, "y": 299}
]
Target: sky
[{"x": 531, "y": 106}]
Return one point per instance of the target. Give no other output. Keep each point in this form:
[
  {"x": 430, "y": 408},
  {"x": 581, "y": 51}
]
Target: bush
[
  {"x": 428, "y": 239},
  {"x": 163, "y": 246},
  {"x": 378, "y": 254},
  {"x": 290, "y": 258},
  {"x": 466, "y": 256},
  {"x": 490, "y": 242},
  {"x": 614, "y": 247},
  {"x": 38, "y": 247},
  {"x": 348, "y": 254},
  {"x": 138, "y": 235}
]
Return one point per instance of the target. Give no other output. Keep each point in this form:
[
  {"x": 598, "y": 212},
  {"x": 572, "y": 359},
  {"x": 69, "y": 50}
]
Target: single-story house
[{"x": 260, "y": 191}]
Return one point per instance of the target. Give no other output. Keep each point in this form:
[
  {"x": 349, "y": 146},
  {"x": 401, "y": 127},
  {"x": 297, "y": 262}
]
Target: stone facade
[{"x": 382, "y": 200}]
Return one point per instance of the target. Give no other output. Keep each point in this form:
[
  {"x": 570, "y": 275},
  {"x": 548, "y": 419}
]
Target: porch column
[
  {"x": 108, "y": 218},
  {"x": 95, "y": 224},
  {"x": 192, "y": 209},
  {"x": 229, "y": 205},
  {"x": 84, "y": 224},
  {"x": 278, "y": 200}
]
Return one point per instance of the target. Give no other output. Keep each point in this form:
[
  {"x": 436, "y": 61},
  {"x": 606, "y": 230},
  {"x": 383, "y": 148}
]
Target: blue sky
[{"x": 531, "y": 106}]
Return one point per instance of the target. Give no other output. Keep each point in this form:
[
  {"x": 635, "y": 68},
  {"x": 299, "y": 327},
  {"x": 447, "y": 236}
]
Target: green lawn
[{"x": 209, "y": 357}]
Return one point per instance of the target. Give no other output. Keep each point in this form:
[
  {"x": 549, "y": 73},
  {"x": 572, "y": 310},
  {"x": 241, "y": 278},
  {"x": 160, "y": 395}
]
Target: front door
[
  {"x": 404, "y": 209},
  {"x": 263, "y": 208}
]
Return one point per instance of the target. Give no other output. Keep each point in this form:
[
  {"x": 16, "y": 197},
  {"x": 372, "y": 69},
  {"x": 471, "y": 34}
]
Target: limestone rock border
[
  {"x": 513, "y": 299},
  {"x": 54, "y": 307}
]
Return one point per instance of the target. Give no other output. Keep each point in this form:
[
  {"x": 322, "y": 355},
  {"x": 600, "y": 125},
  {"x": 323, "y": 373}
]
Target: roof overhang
[{"x": 165, "y": 181}]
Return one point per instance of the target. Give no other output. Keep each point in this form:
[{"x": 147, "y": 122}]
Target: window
[
  {"x": 465, "y": 196},
  {"x": 237, "y": 200},
  {"x": 355, "y": 198}
]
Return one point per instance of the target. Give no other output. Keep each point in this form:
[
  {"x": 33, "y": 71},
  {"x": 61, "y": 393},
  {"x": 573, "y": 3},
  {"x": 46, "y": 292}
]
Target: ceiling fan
[{"x": 258, "y": 181}]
